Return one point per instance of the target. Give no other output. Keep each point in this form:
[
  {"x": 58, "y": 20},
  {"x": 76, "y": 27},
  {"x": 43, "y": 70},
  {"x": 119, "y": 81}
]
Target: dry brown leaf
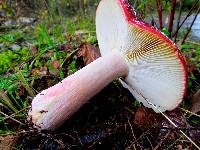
[
  {"x": 6, "y": 142},
  {"x": 40, "y": 71},
  {"x": 195, "y": 104},
  {"x": 89, "y": 53},
  {"x": 147, "y": 117}
]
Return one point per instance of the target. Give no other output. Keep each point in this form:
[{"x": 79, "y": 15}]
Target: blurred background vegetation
[{"x": 15, "y": 8}]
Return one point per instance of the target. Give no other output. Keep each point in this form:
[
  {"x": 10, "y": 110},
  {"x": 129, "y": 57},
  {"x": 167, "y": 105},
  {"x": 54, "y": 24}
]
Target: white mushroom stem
[{"x": 53, "y": 106}]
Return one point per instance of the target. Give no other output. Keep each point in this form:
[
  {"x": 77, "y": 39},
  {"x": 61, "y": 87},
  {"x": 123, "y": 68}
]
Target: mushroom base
[{"x": 51, "y": 107}]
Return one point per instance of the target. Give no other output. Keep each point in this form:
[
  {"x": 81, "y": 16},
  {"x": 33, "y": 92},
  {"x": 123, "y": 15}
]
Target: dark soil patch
[
  {"x": 104, "y": 122},
  {"x": 107, "y": 122}
]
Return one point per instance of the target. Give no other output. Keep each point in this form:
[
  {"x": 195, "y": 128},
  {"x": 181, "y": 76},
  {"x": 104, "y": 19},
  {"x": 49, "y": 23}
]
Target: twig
[
  {"x": 187, "y": 111},
  {"x": 141, "y": 136},
  {"x": 186, "y": 35},
  {"x": 12, "y": 119},
  {"x": 179, "y": 18},
  {"x": 189, "y": 13},
  {"x": 194, "y": 43},
  {"x": 173, "y": 124},
  {"x": 25, "y": 84},
  {"x": 129, "y": 110},
  {"x": 7, "y": 101},
  {"x": 171, "y": 17},
  {"x": 173, "y": 143},
  {"x": 177, "y": 129},
  {"x": 135, "y": 2},
  {"x": 14, "y": 114},
  {"x": 131, "y": 129},
  {"x": 50, "y": 14},
  {"x": 170, "y": 121},
  {"x": 69, "y": 57},
  {"x": 160, "y": 143},
  {"x": 57, "y": 2},
  {"x": 154, "y": 23}
]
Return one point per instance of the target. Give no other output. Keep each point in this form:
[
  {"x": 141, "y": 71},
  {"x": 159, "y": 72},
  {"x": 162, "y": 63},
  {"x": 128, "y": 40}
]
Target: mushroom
[{"x": 153, "y": 68}]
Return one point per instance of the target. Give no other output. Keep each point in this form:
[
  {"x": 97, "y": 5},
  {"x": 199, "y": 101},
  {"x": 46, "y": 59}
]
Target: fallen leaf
[
  {"x": 147, "y": 117},
  {"x": 6, "y": 142},
  {"x": 195, "y": 103},
  {"x": 89, "y": 53},
  {"x": 40, "y": 71}
]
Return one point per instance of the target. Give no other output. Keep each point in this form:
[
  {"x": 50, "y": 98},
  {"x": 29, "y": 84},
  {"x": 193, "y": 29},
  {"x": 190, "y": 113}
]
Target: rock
[
  {"x": 14, "y": 47},
  {"x": 25, "y": 20}
]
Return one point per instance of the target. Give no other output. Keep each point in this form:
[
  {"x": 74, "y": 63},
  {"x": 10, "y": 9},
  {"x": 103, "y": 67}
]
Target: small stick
[
  {"x": 189, "y": 13},
  {"x": 179, "y": 18},
  {"x": 186, "y": 35},
  {"x": 170, "y": 121},
  {"x": 12, "y": 115},
  {"x": 159, "y": 144},
  {"x": 187, "y": 111},
  {"x": 12, "y": 118},
  {"x": 174, "y": 125}
]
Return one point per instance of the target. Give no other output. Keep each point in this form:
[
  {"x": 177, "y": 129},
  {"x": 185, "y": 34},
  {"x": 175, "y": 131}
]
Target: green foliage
[
  {"x": 83, "y": 27},
  {"x": 6, "y": 83},
  {"x": 12, "y": 85},
  {"x": 195, "y": 120},
  {"x": 11, "y": 37},
  {"x": 192, "y": 50},
  {"x": 80, "y": 23},
  {"x": 136, "y": 103},
  {"x": 165, "y": 31},
  {"x": 42, "y": 35},
  {"x": 7, "y": 60},
  {"x": 72, "y": 66}
]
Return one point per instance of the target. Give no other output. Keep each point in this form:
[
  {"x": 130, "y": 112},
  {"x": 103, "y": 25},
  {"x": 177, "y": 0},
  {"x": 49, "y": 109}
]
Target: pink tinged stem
[{"x": 53, "y": 106}]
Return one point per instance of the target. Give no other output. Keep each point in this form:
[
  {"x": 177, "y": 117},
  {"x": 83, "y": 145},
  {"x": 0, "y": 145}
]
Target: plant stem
[
  {"x": 159, "y": 9},
  {"x": 189, "y": 13},
  {"x": 171, "y": 20},
  {"x": 25, "y": 84},
  {"x": 7, "y": 101},
  {"x": 179, "y": 18},
  {"x": 186, "y": 35}
]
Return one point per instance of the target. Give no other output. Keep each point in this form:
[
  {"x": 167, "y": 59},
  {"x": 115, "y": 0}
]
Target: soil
[
  {"x": 103, "y": 123},
  {"x": 108, "y": 121}
]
